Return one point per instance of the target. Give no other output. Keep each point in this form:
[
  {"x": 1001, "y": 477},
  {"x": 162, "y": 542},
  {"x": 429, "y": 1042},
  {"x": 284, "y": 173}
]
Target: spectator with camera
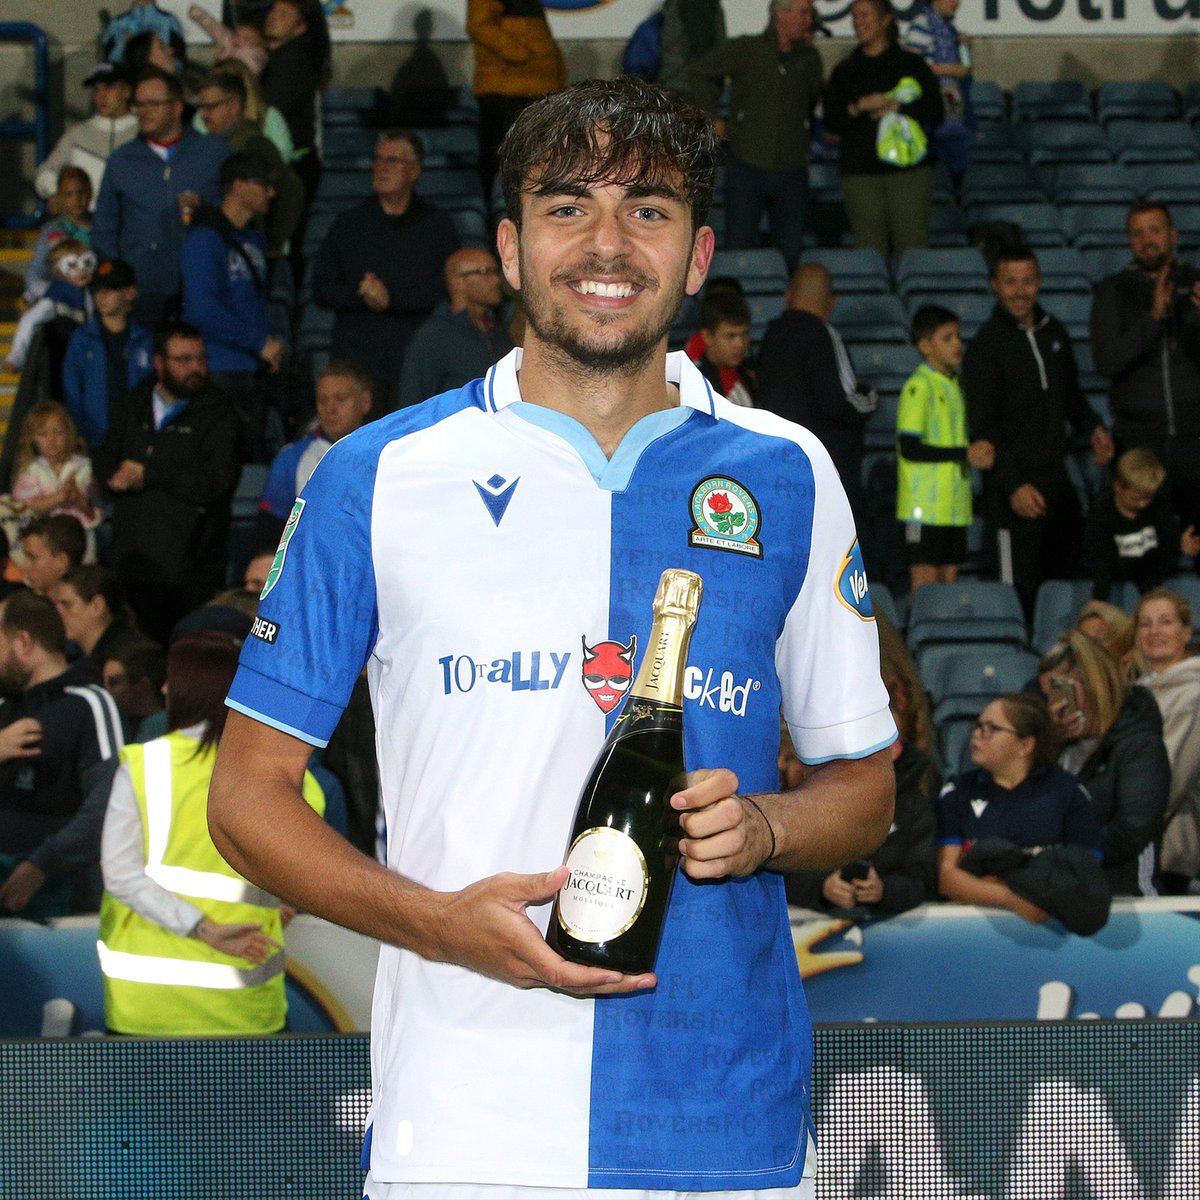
[{"x": 1145, "y": 333}]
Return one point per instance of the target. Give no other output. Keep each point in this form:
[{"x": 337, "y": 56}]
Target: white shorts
[{"x": 804, "y": 1190}]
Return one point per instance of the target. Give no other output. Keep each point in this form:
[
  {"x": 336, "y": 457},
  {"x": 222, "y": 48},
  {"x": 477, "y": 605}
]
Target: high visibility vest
[{"x": 156, "y": 982}]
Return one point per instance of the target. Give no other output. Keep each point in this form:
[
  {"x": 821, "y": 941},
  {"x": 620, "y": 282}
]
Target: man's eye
[
  {"x": 646, "y": 213},
  {"x": 566, "y": 210}
]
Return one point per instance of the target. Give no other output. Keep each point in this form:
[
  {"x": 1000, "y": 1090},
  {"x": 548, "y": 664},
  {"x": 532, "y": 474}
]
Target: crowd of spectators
[{"x": 154, "y": 366}]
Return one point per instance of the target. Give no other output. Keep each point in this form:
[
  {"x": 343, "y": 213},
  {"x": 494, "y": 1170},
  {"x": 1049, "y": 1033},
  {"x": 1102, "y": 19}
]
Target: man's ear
[{"x": 508, "y": 246}]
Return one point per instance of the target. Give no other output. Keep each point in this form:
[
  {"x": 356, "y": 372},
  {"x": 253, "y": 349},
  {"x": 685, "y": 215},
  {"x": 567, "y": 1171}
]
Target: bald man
[
  {"x": 804, "y": 374},
  {"x": 463, "y": 337}
]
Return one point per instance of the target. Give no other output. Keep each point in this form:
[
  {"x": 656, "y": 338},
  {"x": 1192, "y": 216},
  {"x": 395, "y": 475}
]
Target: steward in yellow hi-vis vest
[{"x": 157, "y": 982}]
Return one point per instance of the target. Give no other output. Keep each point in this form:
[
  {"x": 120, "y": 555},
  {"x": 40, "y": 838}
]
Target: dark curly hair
[{"x": 622, "y": 131}]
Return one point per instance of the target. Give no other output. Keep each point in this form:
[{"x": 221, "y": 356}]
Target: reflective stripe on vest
[
  {"x": 145, "y": 968},
  {"x": 204, "y": 885}
]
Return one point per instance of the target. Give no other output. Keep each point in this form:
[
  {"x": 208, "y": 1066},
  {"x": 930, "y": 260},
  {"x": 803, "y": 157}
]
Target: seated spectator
[
  {"x": 223, "y": 104},
  {"x": 54, "y": 473},
  {"x": 108, "y": 356},
  {"x": 462, "y": 338},
  {"x": 50, "y": 547},
  {"x": 151, "y": 188},
  {"x": 65, "y": 304},
  {"x": 725, "y": 331},
  {"x": 134, "y": 673},
  {"x": 171, "y": 464},
  {"x": 1014, "y": 792},
  {"x": 804, "y": 374},
  {"x": 1113, "y": 741},
  {"x": 381, "y": 267},
  {"x": 1172, "y": 674},
  {"x": 225, "y": 293},
  {"x": 1133, "y": 533},
  {"x": 59, "y": 733},
  {"x": 73, "y": 204},
  {"x": 91, "y": 603},
  {"x": 254, "y": 578},
  {"x": 89, "y": 143},
  {"x": 343, "y": 404},
  {"x": 1112, "y": 627}
]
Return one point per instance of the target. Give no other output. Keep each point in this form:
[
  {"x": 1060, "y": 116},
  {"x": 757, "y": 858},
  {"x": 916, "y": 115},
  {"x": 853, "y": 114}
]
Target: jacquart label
[{"x": 606, "y": 889}]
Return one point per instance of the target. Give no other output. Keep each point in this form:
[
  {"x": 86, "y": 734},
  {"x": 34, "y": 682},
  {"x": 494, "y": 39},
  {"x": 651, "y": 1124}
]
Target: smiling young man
[{"x": 462, "y": 551}]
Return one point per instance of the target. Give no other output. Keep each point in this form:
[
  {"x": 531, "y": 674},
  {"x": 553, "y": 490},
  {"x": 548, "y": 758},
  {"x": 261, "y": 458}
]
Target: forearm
[{"x": 989, "y": 892}]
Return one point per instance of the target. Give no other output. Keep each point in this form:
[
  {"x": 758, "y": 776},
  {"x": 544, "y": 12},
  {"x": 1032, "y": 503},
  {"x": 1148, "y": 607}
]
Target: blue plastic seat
[
  {"x": 1136, "y": 142},
  {"x": 947, "y": 226},
  {"x": 971, "y": 308},
  {"x": 1064, "y": 269},
  {"x": 995, "y": 142},
  {"x": 1136, "y": 100},
  {"x": 764, "y": 309},
  {"x": 871, "y": 318},
  {"x": 761, "y": 269},
  {"x": 451, "y": 147},
  {"x": 1072, "y": 309},
  {"x": 859, "y": 269},
  {"x": 988, "y": 101},
  {"x": 351, "y": 105},
  {"x": 880, "y": 431},
  {"x": 1178, "y": 183},
  {"x": 1039, "y": 223},
  {"x": 1187, "y": 586},
  {"x": 954, "y": 743},
  {"x": 1055, "y": 100},
  {"x": 1089, "y": 225},
  {"x": 824, "y": 182},
  {"x": 949, "y": 268},
  {"x": 349, "y": 146},
  {"x": 445, "y": 186},
  {"x": 1103, "y": 261},
  {"x": 1090, "y": 183},
  {"x": 884, "y": 365},
  {"x": 1056, "y": 609},
  {"x": 975, "y": 677},
  {"x": 970, "y": 610},
  {"x": 1064, "y": 142},
  {"x": 1001, "y": 183}
]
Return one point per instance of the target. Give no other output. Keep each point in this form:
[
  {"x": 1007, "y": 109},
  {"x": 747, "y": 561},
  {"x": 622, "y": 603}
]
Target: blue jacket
[
  {"x": 85, "y": 376},
  {"x": 221, "y": 296},
  {"x": 137, "y": 214}
]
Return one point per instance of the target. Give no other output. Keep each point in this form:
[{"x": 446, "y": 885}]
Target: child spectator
[
  {"x": 933, "y": 496},
  {"x": 73, "y": 204},
  {"x": 50, "y": 547},
  {"x": 53, "y": 471},
  {"x": 1133, "y": 534},
  {"x": 71, "y": 267},
  {"x": 725, "y": 330},
  {"x": 934, "y": 37},
  {"x": 694, "y": 346}
]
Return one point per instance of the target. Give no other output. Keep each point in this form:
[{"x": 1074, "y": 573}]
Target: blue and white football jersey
[{"x": 488, "y": 565}]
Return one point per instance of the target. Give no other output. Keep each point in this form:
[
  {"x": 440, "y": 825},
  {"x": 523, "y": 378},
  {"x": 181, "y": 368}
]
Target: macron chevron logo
[
  {"x": 977, "y": 807},
  {"x": 496, "y": 494}
]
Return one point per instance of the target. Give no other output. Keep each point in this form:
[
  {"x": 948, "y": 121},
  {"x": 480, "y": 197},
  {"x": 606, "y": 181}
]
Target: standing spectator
[
  {"x": 934, "y": 37},
  {"x": 108, "y": 356},
  {"x": 463, "y": 337},
  {"x": 343, "y": 404},
  {"x": 1172, "y": 674},
  {"x": 59, "y": 733},
  {"x": 91, "y": 603},
  {"x": 1132, "y": 534},
  {"x": 88, "y": 144},
  {"x": 381, "y": 267},
  {"x": 516, "y": 61},
  {"x": 887, "y": 203},
  {"x": 804, "y": 374},
  {"x": 245, "y": 43},
  {"x": 225, "y": 293},
  {"x": 152, "y": 187},
  {"x": 142, "y": 17},
  {"x": 50, "y": 548},
  {"x": 1022, "y": 385},
  {"x": 171, "y": 463},
  {"x": 1146, "y": 341},
  {"x": 73, "y": 203},
  {"x": 776, "y": 79},
  {"x": 934, "y": 454},
  {"x": 690, "y": 29},
  {"x": 1112, "y": 735},
  {"x": 725, "y": 332},
  {"x": 222, "y": 102}
]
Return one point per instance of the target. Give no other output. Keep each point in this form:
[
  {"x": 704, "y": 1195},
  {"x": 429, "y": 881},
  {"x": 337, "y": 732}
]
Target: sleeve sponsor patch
[{"x": 851, "y": 588}]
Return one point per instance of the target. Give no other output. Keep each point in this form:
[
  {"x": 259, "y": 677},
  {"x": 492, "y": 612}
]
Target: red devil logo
[{"x": 608, "y": 671}]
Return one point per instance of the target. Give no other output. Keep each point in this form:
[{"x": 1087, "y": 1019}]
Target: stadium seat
[
  {"x": 954, "y": 744},
  {"x": 824, "y": 183},
  {"x": 949, "y": 268},
  {"x": 1056, "y": 609},
  {"x": 763, "y": 310},
  {"x": 455, "y": 146},
  {"x": 1064, "y": 269},
  {"x": 970, "y": 610},
  {"x": 1089, "y": 225},
  {"x": 974, "y": 677},
  {"x": 1177, "y": 183},
  {"x": 880, "y": 431},
  {"x": 947, "y": 226},
  {"x": 1136, "y": 142},
  {"x": 1190, "y": 103},
  {"x": 1187, "y": 221},
  {"x": 1001, "y": 183},
  {"x": 250, "y": 486},
  {"x": 340, "y": 190},
  {"x": 995, "y": 142},
  {"x": 349, "y": 147},
  {"x": 971, "y": 308},
  {"x": 1056, "y": 100},
  {"x": 870, "y": 318},
  {"x": 884, "y": 602},
  {"x": 987, "y": 99},
  {"x": 351, "y": 106},
  {"x": 884, "y": 365},
  {"x": 1039, "y": 223},
  {"x": 1187, "y": 586},
  {"x": 463, "y": 108},
  {"x": 1072, "y": 309},
  {"x": 1136, "y": 100},
  {"x": 1053, "y": 142},
  {"x": 472, "y": 223},
  {"x": 1090, "y": 183},
  {"x": 934, "y": 660},
  {"x": 759, "y": 270},
  {"x": 857, "y": 270},
  {"x": 444, "y": 186},
  {"x": 1104, "y": 261}
]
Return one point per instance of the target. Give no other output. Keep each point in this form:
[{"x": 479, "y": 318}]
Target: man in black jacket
[
  {"x": 59, "y": 736},
  {"x": 171, "y": 462},
  {"x": 1146, "y": 342},
  {"x": 1021, "y": 385}
]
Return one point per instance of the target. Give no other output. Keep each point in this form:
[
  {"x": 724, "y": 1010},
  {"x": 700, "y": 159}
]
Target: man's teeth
[{"x": 593, "y": 287}]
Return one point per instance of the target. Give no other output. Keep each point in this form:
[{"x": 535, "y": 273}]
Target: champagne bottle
[{"x": 624, "y": 846}]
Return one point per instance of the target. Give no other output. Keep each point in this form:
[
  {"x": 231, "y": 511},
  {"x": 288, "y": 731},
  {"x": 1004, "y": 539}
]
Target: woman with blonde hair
[
  {"x": 1112, "y": 627},
  {"x": 1112, "y": 735},
  {"x": 269, "y": 119},
  {"x": 1172, "y": 674}
]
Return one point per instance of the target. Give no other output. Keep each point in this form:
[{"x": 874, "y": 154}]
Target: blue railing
[{"x": 37, "y": 130}]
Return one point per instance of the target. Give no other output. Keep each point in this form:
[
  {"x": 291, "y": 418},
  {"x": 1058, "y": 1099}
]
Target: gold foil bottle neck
[{"x": 678, "y": 594}]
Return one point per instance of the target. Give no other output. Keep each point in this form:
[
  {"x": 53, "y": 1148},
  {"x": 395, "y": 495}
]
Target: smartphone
[{"x": 859, "y": 869}]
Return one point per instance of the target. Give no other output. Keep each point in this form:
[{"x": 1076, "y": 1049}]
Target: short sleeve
[
  {"x": 317, "y": 620},
  {"x": 949, "y": 817},
  {"x": 827, "y": 656},
  {"x": 912, "y": 415}
]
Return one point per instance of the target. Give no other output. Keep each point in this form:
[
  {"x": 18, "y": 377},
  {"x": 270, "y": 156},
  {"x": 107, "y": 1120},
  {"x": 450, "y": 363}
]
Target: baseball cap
[
  {"x": 107, "y": 72},
  {"x": 113, "y": 274},
  {"x": 246, "y": 166}
]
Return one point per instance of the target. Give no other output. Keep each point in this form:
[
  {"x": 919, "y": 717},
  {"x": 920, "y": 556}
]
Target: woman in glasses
[
  {"x": 1112, "y": 736},
  {"x": 1016, "y": 793}
]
